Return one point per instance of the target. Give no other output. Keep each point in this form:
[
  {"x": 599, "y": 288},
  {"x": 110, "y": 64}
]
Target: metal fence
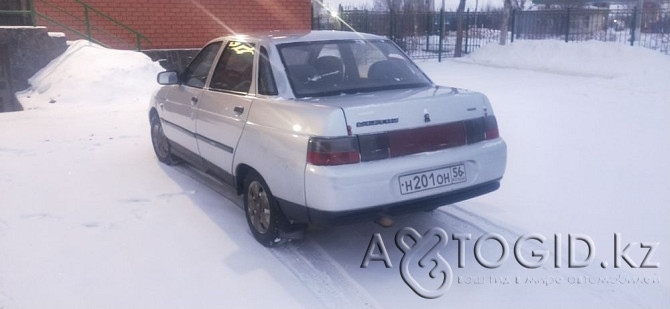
[
  {"x": 419, "y": 33},
  {"x": 416, "y": 33},
  {"x": 602, "y": 25},
  {"x": 78, "y": 23}
]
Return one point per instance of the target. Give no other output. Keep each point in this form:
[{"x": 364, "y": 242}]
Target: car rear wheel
[
  {"x": 161, "y": 143},
  {"x": 263, "y": 214}
]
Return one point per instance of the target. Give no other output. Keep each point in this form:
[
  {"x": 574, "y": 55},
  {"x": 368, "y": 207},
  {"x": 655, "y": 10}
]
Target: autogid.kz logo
[
  {"x": 429, "y": 275},
  {"x": 424, "y": 252}
]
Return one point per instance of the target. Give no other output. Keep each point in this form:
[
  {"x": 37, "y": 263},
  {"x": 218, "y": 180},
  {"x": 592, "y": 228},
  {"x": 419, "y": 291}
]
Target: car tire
[
  {"x": 262, "y": 211},
  {"x": 160, "y": 142}
]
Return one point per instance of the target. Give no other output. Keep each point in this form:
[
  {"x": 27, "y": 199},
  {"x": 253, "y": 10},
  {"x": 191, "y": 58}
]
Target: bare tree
[
  {"x": 387, "y": 5},
  {"x": 507, "y": 8},
  {"x": 570, "y": 4},
  {"x": 403, "y": 5},
  {"x": 519, "y": 4},
  {"x": 417, "y": 6},
  {"x": 459, "y": 28}
]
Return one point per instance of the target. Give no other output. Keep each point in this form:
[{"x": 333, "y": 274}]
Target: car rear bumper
[
  {"x": 373, "y": 183},
  {"x": 373, "y": 187},
  {"x": 421, "y": 204}
]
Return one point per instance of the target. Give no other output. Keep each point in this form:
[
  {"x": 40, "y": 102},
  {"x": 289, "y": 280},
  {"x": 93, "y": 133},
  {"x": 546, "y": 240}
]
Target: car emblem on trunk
[
  {"x": 426, "y": 117},
  {"x": 376, "y": 122}
]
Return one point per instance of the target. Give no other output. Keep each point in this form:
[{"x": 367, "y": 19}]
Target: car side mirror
[{"x": 168, "y": 78}]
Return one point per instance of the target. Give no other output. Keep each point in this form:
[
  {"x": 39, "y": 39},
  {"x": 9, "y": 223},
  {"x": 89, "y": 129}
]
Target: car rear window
[{"x": 323, "y": 68}]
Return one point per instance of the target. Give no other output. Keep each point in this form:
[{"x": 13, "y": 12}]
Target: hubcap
[
  {"x": 159, "y": 140},
  {"x": 258, "y": 207}
]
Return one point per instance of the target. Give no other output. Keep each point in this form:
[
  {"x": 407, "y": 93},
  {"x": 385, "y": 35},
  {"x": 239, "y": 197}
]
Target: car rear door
[
  {"x": 178, "y": 113},
  {"x": 223, "y": 108}
]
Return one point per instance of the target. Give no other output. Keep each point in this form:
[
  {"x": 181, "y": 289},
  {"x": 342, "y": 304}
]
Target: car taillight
[
  {"x": 491, "y": 127},
  {"x": 333, "y": 151}
]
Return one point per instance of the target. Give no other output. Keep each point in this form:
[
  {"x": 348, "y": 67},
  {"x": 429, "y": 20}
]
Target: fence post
[
  {"x": 427, "y": 31},
  {"x": 139, "y": 42},
  {"x": 513, "y": 25},
  {"x": 367, "y": 21},
  {"x": 567, "y": 26},
  {"x": 391, "y": 33},
  {"x": 31, "y": 8},
  {"x": 633, "y": 26},
  {"x": 88, "y": 24},
  {"x": 439, "y": 49},
  {"x": 467, "y": 30},
  {"x": 340, "y": 16}
]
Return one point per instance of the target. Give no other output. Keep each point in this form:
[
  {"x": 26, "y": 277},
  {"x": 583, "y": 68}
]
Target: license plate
[{"x": 432, "y": 179}]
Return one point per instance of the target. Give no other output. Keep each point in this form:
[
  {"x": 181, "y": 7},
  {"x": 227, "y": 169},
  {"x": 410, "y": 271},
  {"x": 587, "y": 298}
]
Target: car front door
[
  {"x": 178, "y": 115},
  {"x": 223, "y": 108}
]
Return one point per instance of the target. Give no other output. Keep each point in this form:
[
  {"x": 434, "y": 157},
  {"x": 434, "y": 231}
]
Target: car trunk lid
[{"x": 402, "y": 122}]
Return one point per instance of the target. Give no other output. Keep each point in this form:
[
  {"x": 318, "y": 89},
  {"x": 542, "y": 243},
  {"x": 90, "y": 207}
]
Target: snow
[
  {"x": 95, "y": 73},
  {"x": 56, "y": 34},
  {"x": 588, "y": 137},
  {"x": 590, "y": 58},
  {"x": 89, "y": 217},
  {"x": 22, "y": 27}
]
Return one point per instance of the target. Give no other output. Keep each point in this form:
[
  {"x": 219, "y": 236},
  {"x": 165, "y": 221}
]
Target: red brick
[{"x": 180, "y": 23}]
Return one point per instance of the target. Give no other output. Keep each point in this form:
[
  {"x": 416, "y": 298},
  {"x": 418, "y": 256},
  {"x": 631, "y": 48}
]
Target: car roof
[{"x": 280, "y": 37}]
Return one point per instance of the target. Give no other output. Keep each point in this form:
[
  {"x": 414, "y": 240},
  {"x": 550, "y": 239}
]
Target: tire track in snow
[
  {"x": 485, "y": 225},
  {"x": 456, "y": 212},
  {"x": 323, "y": 276},
  {"x": 334, "y": 287},
  {"x": 307, "y": 260}
]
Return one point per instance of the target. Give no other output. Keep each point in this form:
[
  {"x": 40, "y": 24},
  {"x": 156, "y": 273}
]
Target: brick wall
[{"x": 178, "y": 23}]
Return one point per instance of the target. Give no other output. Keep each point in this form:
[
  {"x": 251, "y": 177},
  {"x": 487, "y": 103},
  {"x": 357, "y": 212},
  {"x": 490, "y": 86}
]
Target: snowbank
[
  {"x": 91, "y": 74},
  {"x": 590, "y": 58},
  {"x": 90, "y": 218}
]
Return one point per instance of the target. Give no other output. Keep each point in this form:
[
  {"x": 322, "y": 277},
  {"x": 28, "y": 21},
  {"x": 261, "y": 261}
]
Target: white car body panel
[
  {"x": 179, "y": 111},
  {"x": 272, "y": 133},
  {"x": 409, "y": 106},
  {"x": 219, "y": 127},
  {"x": 275, "y": 142},
  {"x": 368, "y": 184}
]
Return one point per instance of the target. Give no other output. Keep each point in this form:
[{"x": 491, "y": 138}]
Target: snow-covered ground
[{"x": 89, "y": 217}]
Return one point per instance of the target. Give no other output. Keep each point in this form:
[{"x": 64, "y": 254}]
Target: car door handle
[
  {"x": 194, "y": 100},
  {"x": 238, "y": 110}
]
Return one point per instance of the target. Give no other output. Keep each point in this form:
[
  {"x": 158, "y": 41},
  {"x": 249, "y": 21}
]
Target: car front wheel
[{"x": 161, "y": 143}]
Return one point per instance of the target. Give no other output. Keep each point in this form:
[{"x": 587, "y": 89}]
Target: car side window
[
  {"x": 196, "y": 73},
  {"x": 266, "y": 81},
  {"x": 233, "y": 72}
]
